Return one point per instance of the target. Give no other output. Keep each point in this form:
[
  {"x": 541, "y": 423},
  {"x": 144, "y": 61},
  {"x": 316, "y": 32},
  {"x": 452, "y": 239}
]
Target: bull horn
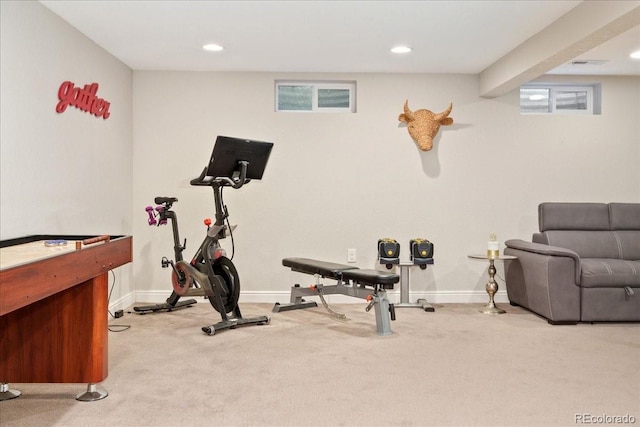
[
  {"x": 407, "y": 111},
  {"x": 445, "y": 113}
]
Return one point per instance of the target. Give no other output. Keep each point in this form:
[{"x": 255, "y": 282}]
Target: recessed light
[
  {"x": 212, "y": 47},
  {"x": 401, "y": 49},
  {"x": 635, "y": 55}
]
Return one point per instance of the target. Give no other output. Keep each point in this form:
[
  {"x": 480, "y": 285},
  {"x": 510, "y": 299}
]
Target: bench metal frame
[{"x": 345, "y": 285}]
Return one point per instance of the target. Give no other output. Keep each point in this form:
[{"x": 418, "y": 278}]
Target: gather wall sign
[{"x": 84, "y": 99}]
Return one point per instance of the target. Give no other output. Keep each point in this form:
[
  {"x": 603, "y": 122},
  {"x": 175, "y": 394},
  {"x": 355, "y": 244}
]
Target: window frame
[
  {"x": 316, "y": 85},
  {"x": 590, "y": 89}
]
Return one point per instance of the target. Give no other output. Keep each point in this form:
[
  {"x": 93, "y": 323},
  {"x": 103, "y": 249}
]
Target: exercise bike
[{"x": 210, "y": 273}]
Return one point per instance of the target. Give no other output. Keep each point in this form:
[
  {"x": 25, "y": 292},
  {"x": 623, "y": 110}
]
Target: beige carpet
[{"x": 453, "y": 367}]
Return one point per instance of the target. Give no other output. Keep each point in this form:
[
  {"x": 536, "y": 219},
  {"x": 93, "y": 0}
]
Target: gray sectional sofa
[{"x": 583, "y": 265}]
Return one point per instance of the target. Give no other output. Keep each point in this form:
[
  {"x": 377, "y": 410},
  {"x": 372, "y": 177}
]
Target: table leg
[
  {"x": 492, "y": 288},
  {"x": 92, "y": 394},
  {"x": 6, "y": 393}
]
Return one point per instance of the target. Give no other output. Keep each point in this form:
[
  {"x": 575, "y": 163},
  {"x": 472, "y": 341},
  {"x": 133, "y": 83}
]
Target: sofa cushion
[
  {"x": 587, "y": 244},
  {"x": 573, "y": 216},
  {"x": 602, "y": 272},
  {"x": 624, "y": 216},
  {"x": 629, "y": 244}
]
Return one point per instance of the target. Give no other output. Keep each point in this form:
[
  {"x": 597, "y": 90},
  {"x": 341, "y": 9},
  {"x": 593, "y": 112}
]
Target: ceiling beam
[{"x": 584, "y": 27}]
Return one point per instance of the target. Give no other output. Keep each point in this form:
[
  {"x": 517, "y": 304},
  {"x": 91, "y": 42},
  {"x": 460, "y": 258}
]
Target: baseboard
[
  {"x": 122, "y": 303},
  {"x": 435, "y": 297}
]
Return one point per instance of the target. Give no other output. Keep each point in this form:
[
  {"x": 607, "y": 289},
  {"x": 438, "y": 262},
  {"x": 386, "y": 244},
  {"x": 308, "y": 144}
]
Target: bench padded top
[
  {"x": 312, "y": 266},
  {"x": 371, "y": 277},
  {"x": 341, "y": 271}
]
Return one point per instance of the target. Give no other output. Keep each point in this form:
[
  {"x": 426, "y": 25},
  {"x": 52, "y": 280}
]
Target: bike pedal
[{"x": 164, "y": 262}]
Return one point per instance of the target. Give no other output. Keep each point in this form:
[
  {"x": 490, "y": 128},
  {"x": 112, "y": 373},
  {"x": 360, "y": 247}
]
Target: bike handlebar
[{"x": 204, "y": 180}]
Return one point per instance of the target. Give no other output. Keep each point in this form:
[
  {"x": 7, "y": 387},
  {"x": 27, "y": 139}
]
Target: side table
[{"x": 492, "y": 285}]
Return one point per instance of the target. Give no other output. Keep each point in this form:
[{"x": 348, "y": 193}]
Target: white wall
[
  {"x": 338, "y": 181},
  {"x": 66, "y": 173},
  {"x": 335, "y": 181}
]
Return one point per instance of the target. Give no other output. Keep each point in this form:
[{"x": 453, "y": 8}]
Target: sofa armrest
[
  {"x": 544, "y": 279},
  {"x": 539, "y": 248}
]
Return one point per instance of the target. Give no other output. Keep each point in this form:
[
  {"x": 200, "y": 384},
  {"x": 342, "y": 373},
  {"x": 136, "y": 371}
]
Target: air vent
[{"x": 589, "y": 62}]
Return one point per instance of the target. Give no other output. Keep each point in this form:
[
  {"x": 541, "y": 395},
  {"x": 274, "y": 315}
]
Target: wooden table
[{"x": 53, "y": 310}]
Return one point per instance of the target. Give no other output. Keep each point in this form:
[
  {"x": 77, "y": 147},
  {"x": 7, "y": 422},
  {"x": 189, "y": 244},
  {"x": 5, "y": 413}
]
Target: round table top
[{"x": 499, "y": 258}]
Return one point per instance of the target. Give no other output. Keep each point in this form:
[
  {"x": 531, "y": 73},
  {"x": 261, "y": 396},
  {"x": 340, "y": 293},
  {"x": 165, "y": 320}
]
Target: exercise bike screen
[{"x": 228, "y": 152}]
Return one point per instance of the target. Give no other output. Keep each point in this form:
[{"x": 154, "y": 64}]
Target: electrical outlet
[{"x": 351, "y": 255}]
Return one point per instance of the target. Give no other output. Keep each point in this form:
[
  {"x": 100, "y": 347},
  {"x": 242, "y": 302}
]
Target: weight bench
[{"x": 370, "y": 285}]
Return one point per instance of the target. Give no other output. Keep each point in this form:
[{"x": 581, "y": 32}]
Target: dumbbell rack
[{"x": 404, "y": 285}]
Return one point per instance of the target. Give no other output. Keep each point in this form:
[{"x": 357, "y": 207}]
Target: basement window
[
  {"x": 540, "y": 98},
  {"x": 315, "y": 96}
]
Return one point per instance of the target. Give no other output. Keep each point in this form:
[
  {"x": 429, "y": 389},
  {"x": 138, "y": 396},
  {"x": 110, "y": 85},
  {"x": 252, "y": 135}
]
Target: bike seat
[{"x": 165, "y": 200}]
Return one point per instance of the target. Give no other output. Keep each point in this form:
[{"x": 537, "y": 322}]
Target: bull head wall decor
[{"x": 423, "y": 125}]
